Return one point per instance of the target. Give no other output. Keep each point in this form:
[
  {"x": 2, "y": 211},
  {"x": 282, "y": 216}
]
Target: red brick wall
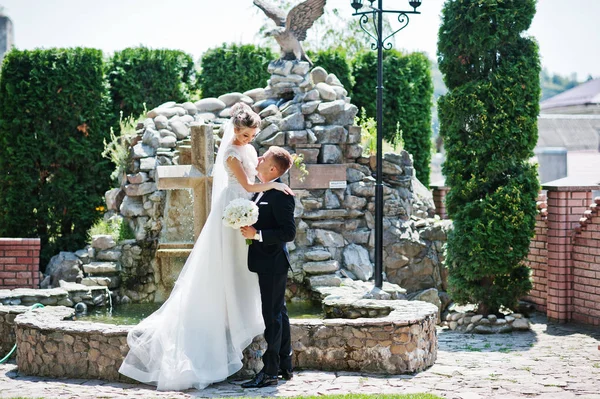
[
  {"x": 538, "y": 257},
  {"x": 19, "y": 263},
  {"x": 586, "y": 267},
  {"x": 565, "y": 256}
]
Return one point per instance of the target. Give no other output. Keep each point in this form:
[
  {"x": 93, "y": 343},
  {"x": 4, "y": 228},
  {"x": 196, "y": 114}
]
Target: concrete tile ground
[{"x": 551, "y": 362}]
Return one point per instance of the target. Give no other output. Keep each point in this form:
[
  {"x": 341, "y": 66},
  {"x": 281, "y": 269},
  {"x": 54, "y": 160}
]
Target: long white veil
[{"x": 220, "y": 180}]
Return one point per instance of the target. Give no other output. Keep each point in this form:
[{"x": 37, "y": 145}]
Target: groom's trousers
[{"x": 277, "y": 323}]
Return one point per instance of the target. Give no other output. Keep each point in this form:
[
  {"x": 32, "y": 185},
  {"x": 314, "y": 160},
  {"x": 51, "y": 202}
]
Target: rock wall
[
  {"x": 7, "y": 324},
  {"x": 309, "y": 113}
]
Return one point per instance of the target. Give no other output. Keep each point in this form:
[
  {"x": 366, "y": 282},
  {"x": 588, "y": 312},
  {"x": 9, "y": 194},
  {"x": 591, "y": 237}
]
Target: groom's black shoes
[
  {"x": 286, "y": 374},
  {"x": 260, "y": 380}
]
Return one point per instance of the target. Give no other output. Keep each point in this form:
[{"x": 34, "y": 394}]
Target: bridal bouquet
[{"x": 240, "y": 212}]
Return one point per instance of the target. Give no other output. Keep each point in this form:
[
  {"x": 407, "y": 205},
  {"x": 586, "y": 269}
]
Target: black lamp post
[{"x": 376, "y": 15}]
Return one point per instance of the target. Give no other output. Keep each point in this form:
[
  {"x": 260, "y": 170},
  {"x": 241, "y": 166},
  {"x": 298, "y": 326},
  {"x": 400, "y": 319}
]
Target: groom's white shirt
[{"x": 258, "y": 235}]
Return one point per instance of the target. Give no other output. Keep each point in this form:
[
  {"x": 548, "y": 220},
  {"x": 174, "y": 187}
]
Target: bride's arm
[{"x": 238, "y": 171}]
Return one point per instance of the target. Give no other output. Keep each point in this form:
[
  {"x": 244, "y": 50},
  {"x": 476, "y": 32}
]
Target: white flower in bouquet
[{"x": 239, "y": 213}]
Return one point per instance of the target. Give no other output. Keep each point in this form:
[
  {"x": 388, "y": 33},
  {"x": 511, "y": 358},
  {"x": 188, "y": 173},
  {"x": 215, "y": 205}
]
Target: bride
[{"x": 197, "y": 336}]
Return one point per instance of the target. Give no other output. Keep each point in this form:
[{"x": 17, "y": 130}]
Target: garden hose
[{"x": 14, "y": 348}]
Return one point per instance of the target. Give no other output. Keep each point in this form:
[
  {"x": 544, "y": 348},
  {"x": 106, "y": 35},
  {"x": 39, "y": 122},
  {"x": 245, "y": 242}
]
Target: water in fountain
[{"x": 135, "y": 312}]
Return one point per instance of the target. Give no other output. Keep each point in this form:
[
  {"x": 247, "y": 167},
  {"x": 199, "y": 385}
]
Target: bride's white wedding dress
[{"x": 197, "y": 336}]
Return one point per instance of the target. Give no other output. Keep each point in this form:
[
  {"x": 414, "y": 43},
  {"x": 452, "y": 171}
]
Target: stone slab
[
  {"x": 177, "y": 176},
  {"x": 319, "y": 176}
]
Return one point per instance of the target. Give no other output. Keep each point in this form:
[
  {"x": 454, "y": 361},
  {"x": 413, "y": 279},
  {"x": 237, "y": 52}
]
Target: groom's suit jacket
[{"x": 277, "y": 225}]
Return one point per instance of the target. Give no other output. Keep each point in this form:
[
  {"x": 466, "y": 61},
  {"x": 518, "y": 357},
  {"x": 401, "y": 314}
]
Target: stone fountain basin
[{"x": 50, "y": 344}]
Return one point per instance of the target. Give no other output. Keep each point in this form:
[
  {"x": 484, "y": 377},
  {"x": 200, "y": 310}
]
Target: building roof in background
[
  {"x": 573, "y": 132},
  {"x": 587, "y": 93}
]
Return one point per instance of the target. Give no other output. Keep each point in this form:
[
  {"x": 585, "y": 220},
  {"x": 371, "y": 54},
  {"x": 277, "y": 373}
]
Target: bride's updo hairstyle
[{"x": 242, "y": 116}]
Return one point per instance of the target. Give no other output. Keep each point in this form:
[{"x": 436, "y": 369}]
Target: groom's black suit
[{"x": 270, "y": 260}]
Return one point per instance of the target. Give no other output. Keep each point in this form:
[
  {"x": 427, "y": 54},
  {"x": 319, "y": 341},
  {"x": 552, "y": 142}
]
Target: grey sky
[{"x": 568, "y": 31}]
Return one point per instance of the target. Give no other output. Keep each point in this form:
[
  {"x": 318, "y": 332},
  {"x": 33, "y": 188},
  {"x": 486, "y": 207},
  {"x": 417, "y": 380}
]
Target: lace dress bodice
[{"x": 247, "y": 156}]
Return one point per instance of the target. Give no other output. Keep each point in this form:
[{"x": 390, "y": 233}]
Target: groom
[{"x": 268, "y": 256}]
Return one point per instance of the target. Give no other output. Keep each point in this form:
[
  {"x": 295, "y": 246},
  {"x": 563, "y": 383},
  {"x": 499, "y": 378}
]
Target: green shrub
[
  {"x": 406, "y": 101},
  {"x": 116, "y": 226},
  {"x": 368, "y": 133},
  {"x": 118, "y": 148},
  {"x": 488, "y": 121},
  {"x": 54, "y": 118},
  {"x": 142, "y": 78},
  {"x": 368, "y": 136},
  {"x": 234, "y": 68},
  {"x": 334, "y": 61}
]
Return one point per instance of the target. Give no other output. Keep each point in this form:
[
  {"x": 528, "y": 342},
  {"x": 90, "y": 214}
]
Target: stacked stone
[
  {"x": 307, "y": 112},
  {"x": 68, "y": 294},
  {"x": 49, "y": 346},
  {"x": 320, "y": 268},
  {"x": 342, "y": 222},
  {"x": 414, "y": 254},
  {"x": 469, "y": 322},
  {"x": 101, "y": 262},
  {"x": 7, "y": 323},
  {"x": 335, "y": 226},
  {"x": 159, "y": 137},
  {"x": 96, "y": 267},
  {"x": 404, "y": 340}
]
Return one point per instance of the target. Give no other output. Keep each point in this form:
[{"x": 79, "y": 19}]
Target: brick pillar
[
  {"x": 565, "y": 204},
  {"x": 439, "y": 200}
]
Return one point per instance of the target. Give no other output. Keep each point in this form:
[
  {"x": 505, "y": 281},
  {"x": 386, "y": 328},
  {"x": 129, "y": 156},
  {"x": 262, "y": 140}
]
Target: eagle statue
[{"x": 291, "y": 29}]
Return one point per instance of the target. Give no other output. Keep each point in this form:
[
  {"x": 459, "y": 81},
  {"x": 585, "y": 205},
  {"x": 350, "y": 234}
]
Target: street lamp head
[
  {"x": 356, "y": 4},
  {"x": 414, "y": 3}
]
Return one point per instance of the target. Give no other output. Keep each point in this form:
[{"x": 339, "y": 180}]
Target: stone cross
[{"x": 196, "y": 176}]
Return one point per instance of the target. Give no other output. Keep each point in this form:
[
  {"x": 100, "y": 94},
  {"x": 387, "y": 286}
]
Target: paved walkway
[{"x": 551, "y": 361}]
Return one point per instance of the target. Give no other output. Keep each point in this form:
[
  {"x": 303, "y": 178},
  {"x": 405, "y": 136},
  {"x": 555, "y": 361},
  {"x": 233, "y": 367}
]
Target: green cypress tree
[
  {"x": 488, "y": 121},
  {"x": 54, "y": 118},
  {"x": 141, "y": 79},
  {"x": 234, "y": 67}
]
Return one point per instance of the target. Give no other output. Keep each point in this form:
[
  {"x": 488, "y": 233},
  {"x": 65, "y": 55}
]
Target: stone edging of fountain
[{"x": 404, "y": 341}]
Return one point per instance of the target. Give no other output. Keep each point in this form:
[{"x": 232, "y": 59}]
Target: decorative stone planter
[{"x": 404, "y": 341}]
